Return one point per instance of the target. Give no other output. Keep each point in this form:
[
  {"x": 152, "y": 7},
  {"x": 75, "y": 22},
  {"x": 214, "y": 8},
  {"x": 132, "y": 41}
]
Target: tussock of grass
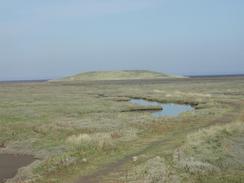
[
  {"x": 50, "y": 166},
  {"x": 102, "y": 140},
  {"x": 97, "y": 140},
  {"x": 193, "y": 166},
  {"x": 214, "y": 133},
  {"x": 154, "y": 170},
  {"x": 208, "y": 151}
]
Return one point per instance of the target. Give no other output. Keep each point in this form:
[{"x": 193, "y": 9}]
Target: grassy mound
[{"x": 117, "y": 75}]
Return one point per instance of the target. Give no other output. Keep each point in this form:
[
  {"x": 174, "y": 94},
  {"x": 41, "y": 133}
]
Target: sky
[{"x": 47, "y": 39}]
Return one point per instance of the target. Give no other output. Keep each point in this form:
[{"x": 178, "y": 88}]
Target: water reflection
[{"x": 169, "y": 109}]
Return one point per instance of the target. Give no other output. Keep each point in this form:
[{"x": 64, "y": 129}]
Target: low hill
[{"x": 118, "y": 75}]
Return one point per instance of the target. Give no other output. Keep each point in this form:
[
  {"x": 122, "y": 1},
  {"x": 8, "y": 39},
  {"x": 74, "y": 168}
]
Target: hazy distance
[{"x": 51, "y": 39}]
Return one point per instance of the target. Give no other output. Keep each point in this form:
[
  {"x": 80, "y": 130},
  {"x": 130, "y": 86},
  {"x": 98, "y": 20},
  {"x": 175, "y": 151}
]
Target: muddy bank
[{"x": 10, "y": 163}]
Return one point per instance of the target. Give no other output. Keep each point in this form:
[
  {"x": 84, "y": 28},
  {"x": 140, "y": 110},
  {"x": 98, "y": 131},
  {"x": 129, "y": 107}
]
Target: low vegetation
[
  {"x": 213, "y": 153},
  {"x": 118, "y": 75},
  {"x": 89, "y": 132}
]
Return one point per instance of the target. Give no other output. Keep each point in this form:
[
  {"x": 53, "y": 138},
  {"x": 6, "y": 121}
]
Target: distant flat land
[
  {"x": 219, "y": 76},
  {"x": 23, "y": 81},
  {"x": 132, "y": 81}
]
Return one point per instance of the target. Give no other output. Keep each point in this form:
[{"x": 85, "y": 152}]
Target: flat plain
[{"x": 87, "y": 131}]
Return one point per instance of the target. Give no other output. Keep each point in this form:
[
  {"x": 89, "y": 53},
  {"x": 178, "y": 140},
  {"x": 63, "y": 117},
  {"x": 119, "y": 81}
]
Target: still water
[{"x": 168, "y": 109}]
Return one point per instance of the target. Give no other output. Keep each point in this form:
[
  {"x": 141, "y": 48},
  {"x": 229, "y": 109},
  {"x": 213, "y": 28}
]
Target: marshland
[
  {"x": 122, "y": 91},
  {"x": 76, "y": 131}
]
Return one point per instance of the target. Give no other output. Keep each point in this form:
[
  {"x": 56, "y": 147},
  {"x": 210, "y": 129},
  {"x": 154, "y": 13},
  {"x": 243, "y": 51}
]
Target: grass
[
  {"x": 117, "y": 75},
  {"x": 96, "y": 140},
  {"x": 213, "y": 152},
  {"x": 80, "y": 129}
]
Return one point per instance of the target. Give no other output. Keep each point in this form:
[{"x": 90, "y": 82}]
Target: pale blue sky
[{"x": 53, "y": 38}]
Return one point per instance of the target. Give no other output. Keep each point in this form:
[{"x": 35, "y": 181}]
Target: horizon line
[{"x": 191, "y": 76}]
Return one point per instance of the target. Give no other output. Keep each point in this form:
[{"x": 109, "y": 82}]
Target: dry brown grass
[
  {"x": 158, "y": 128},
  {"x": 98, "y": 140}
]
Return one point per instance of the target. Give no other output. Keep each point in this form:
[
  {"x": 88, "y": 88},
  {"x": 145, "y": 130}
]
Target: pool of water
[
  {"x": 10, "y": 163},
  {"x": 168, "y": 109}
]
